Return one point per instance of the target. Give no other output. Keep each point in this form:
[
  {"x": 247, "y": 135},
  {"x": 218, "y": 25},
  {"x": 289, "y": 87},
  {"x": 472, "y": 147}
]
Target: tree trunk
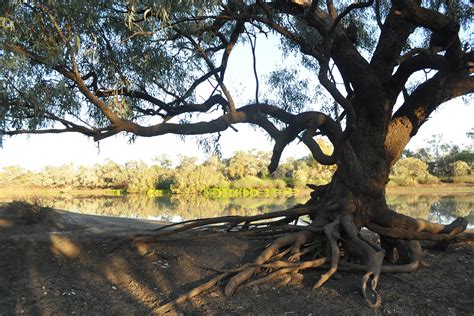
[{"x": 354, "y": 199}]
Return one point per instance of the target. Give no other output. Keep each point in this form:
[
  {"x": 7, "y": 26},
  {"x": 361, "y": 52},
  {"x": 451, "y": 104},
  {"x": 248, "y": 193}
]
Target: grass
[
  {"x": 444, "y": 188},
  {"x": 467, "y": 179},
  {"x": 12, "y": 191},
  {"x": 18, "y": 192}
]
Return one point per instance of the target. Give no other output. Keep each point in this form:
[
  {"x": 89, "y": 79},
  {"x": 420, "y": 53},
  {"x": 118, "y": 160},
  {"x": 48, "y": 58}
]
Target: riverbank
[
  {"x": 441, "y": 204},
  {"x": 54, "y": 262},
  {"x": 12, "y": 191},
  {"x": 433, "y": 189}
]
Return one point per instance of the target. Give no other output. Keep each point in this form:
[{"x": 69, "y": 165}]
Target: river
[{"x": 439, "y": 208}]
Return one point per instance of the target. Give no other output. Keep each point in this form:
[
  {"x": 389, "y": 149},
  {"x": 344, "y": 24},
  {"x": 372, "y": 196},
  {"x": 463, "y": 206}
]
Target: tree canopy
[{"x": 149, "y": 68}]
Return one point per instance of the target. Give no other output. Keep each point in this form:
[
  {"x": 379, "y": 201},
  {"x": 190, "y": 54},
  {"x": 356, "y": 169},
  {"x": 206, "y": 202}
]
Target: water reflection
[{"x": 435, "y": 208}]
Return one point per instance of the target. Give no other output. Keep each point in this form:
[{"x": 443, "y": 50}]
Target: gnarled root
[
  {"x": 332, "y": 233},
  {"x": 192, "y": 293},
  {"x": 326, "y": 240},
  {"x": 369, "y": 253},
  {"x": 285, "y": 240}
]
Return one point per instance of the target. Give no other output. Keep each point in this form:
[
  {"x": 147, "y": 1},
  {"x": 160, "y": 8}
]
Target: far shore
[
  {"x": 433, "y": 189},
  {"x": 436, "y": 189}
]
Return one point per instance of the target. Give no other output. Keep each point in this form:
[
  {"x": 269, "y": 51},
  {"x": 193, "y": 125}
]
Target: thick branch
[
  {"x": 412, "y": 65},
  {"x": 394, "y": 34},
  {"x": 445, "y": 29},
  {"x": 352, "y": 66},
  {"x": 420, "y": 104},
  {"x": 254, "y": 114}
]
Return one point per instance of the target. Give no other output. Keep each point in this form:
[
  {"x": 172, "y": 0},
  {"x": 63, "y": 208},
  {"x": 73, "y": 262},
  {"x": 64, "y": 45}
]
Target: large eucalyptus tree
[{"x": 106, "y": 67}]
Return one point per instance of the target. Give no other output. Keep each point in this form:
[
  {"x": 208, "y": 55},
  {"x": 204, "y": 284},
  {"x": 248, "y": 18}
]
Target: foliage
[
  {"x": 243, "y": 164},
  {"x": 459, "y": 168},
  {"x": 229, "y": 177},
  {"x": 105, "y": 67},
  {"x": 14, "y": 174},
  {"x": 440, "y": 156},
  {"x": 191, "y": 178},
  {"x": 253, "y": 182},
  {"x": 411, "y": 172}
]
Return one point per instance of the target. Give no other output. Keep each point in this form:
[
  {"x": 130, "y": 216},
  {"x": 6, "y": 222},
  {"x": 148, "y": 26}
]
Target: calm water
[{"x": 438, "y": 208}]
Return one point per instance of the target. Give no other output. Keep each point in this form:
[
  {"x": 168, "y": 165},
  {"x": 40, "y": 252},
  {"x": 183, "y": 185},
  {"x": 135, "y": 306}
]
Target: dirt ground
[{"x": 59, "y": 263}]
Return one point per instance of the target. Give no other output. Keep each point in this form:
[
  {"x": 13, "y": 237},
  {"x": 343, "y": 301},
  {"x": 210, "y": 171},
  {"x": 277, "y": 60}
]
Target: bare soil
[{"x": 60, "y": 263}]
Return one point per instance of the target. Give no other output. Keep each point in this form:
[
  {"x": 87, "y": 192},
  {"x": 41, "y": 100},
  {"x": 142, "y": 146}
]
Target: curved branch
[
  {"x": 412, "y": 65},
  {"x": 445, "y": 29},
  {"x": 316, "y": 150},
  {"x": 169, "y": 108},
  {"x": 309, "y": 122},
  {"x": 210, "y": 64},
  {"x": 349, "y": 9}
]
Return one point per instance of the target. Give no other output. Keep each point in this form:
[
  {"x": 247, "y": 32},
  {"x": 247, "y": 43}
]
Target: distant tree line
[
  {"x": 240, "y": 174},
  {"x": 437, "y": 162},
  {"x": 244, "y": 170}
]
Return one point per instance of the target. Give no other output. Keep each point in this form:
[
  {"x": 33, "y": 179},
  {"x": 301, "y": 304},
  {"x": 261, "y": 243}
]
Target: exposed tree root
[
  {"x": 232, "y": 222},
  {"x": 192, "y": 293},
  {"x": 400, "y": 233},
  {"x": 326, "y": 241},
  {"x": 285, "y": 240},
  {"x": 332, "y": 234}
]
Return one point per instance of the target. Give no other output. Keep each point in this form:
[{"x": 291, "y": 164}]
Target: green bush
[
  {"x": 253, "y": 182},
  {"x": 247, "y": 163},
  {"x": 248, "y": 182},
  {"x": 461, "y": 179},
  {"x": 428, "y": 179},
  {"x": 403, "y": 181},
  {"x": 279, "y": 184},
  {"x": 191, "y": 179},
  {"x": 459, "y": 168},
  {"x": 411, "y": 172}
]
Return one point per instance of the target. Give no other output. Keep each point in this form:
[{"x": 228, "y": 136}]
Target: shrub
[
  {"x": 249, "y": 182},
  {"x": 411, "y": 172},
  {"x": 253, "y": 182},
  {"x": 459, "y": 168},
  {"x": 193, "y": 179}
]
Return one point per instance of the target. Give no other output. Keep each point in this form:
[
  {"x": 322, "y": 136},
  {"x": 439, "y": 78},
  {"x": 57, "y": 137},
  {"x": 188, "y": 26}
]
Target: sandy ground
[{"x": 60, "y": 263}]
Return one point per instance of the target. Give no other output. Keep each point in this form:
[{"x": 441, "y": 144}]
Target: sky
[{"x": 453, "y": 120}]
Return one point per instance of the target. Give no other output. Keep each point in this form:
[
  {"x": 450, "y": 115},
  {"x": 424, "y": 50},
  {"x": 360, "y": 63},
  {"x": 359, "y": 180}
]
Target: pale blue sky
[
  {"x": 36, "y": 151},
  {"x": 452, "y": 120}
]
